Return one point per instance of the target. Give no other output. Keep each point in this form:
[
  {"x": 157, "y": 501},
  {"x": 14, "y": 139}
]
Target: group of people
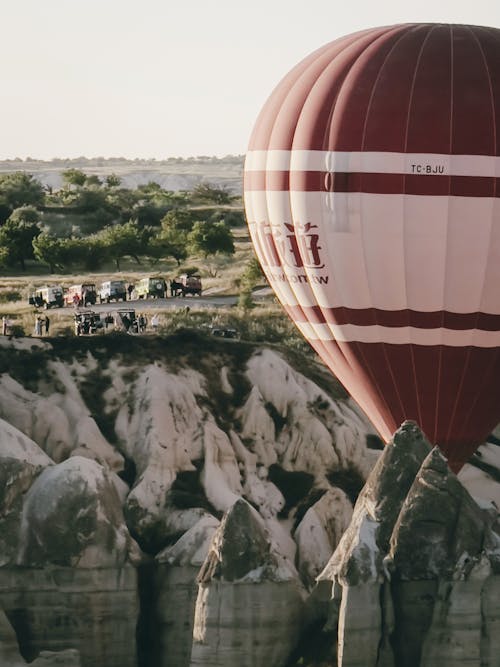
[
  {"x": 42, "y": 325},
  {"x": 137, "y": 325}
]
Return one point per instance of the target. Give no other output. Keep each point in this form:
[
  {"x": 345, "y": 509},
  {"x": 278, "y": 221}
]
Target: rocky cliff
[
  {"x": 122, "y": 460},
  {"x": 414, "y": 580},
  {"x": 172, "y": 501}
]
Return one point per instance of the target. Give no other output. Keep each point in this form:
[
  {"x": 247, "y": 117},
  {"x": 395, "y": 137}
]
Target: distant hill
[{"x": 175, "y": 173}]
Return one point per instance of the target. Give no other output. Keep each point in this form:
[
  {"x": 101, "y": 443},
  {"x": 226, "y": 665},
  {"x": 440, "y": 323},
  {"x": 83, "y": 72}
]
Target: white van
[
  {"x": 113, "y": 290},
  {"x": 50, "y": 296}
]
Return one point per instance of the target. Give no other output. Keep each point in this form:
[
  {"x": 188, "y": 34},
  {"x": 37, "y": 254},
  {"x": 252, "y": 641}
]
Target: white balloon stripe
[
  {"x": 373, "y": 162},
  {"x": 351, "y": 333}
]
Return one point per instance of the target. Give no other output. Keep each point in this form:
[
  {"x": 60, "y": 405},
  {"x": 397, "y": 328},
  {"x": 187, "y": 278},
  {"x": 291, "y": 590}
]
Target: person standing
[
  {"x": 38, "y": 326},
  {"x": 4, "y": 325},
  {"x": 47, "y": 324},
  {"x": 155, "y": 321}
]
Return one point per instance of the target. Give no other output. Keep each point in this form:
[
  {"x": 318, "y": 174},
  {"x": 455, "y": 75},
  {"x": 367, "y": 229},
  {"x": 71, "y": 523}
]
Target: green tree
[
  {"x": 149, "y": 214},
  {"x": 26, "y": 214},
  {"x": 204, "y": 193},
  {"x": 232, "y": 217},
  {"x": 209, "y": 238},
  {"x": 170, "y": 242},
  {"x": 17, "y": 190},
  {"x": 181, "y": 219},
  {"x": 113, "y": 181},
  {"x": 51, "y": 250},
  {"x": 89, "y": 252},
  {"x": 16, "y": 241},
  {"x": 122, "y": 240},
  {"x": 74, "y": 177},
  {"x": 93, "y": 181},
  {"x": 252, "y": 275}
]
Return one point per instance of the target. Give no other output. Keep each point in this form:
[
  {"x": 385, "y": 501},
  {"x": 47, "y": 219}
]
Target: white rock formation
[
  {"x": 59, "y": 423},
  {"x": 177, "y": 589},
  {"x": 415, "y": 566},
  {"x": 72, "y": 516},
  {"x": 318, "y": 433},
  {"x": 320, "y": 531},
  {"x": 192, "y": 448},
  {"x": 21, "y": 461},
  {"x": 250, "y": 605}
]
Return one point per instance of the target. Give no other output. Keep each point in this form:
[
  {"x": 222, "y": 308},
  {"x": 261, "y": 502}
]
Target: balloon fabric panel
[{"x": 371, "y": 187}]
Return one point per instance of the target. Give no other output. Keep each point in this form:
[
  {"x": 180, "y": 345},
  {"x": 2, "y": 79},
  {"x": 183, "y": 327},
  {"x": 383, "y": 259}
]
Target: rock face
[
  {"x": 73, "y": 586},
  {"x": 175, "y": 499},
  {"x": 191, "y": 443},
  {"x": 59, "y": 608},
  {"x": 415, "y": 570},
  {"x": 250, "y": 605},
  {"x": 21, "y": 461}
]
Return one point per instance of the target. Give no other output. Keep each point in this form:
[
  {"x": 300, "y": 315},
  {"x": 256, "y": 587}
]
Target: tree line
[{"x": 90, "y": 221}]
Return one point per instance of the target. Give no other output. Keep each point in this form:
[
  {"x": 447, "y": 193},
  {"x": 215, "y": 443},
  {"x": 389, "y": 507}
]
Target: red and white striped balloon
[{"x": 372, "y": 195}]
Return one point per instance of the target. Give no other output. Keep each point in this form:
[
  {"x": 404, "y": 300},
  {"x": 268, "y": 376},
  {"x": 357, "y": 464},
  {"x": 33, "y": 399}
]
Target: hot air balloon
[{"x": 372, "y": 195}]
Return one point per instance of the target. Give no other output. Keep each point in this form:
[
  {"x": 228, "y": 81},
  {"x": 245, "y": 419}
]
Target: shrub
[
  {"x": 16, "y": 331},
  {"x": 7, "y": 296},
  {"x": 245, "y": 301}
]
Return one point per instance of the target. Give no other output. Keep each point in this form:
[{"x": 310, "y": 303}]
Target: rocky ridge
[
  {"x": 414, "y": 577},
  {"x": 119, "y": 471},
  {"x": 173, "y": 504}
]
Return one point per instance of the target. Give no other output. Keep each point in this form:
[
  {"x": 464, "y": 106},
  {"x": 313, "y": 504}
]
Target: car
[
  {"x": 50, "y": 296},
  {"x": 186, "y": 284},
  {"x": 87, "y": 322},
  {"x": 113, "y": 290},
  {"x": 153, "y": 286},
  {"x": 224, "y": 332},
  {"x": 81, "y": 295},
  {"x": 125, "y": 320}
]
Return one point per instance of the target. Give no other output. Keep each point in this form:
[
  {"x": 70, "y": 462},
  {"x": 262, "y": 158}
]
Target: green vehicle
[{"x": 151, "y": 288}]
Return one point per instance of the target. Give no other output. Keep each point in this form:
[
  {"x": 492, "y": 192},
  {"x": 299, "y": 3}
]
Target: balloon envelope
[{"x": 372, "y": 196}]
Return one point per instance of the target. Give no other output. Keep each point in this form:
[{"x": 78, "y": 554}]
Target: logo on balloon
[{"x": 296, "y": 245}]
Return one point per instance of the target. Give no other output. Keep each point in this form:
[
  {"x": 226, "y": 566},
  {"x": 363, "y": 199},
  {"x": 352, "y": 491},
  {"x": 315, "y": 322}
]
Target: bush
[
  {"x": 16, "y": 331},
  {"x": 7, "y": 296},
  {"x": 245, "y": 301},
  {"x": 189, "y": 270}
]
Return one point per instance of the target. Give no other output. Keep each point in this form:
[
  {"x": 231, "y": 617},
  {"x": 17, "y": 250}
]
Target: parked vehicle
[
  {"x": 81, "y": 295},
  {"x": 151, "y": 287},
  {"x": 126, "y": 320},
  {"x": 50, "y": 296},
  {"x": 113, "y": 290},
  {"x": 87, "y": 322},
  {"x": 186, "y": 284}
]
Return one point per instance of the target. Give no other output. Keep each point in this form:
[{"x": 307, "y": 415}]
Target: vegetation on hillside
[{"x": 91, "y": 221}]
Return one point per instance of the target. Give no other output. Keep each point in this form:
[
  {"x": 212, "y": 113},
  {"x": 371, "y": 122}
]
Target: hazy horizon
[{"x": 154, "y": 79}]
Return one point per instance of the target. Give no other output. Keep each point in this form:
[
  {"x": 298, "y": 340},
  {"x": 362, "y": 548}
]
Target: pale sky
[{"x": 158, "y": 78}]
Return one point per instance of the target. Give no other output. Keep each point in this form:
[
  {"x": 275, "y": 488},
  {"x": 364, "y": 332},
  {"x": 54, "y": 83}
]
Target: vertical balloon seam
[
  {"x": 448, "y": 214},
  {"x": 405, "y": 195},
  {"x": 351, "y": 350},
  {"x": 468, "y": 349},
  {"x": 491, "y": 367},
  {"x": 319, "y": 346},
  {"x": 365, "y": 400},
  {"x": 379, "y": 417},
  {"x": 333, "y": 343},
  {"x": 391, "y": 51},
  {"x": 299, "y": 73}
]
